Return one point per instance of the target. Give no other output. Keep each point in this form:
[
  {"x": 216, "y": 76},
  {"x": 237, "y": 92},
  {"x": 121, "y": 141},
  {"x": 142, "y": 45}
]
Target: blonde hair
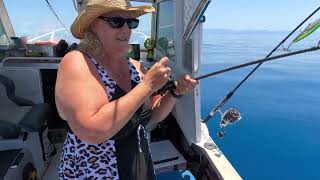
[{"x": 91, "y": 44}]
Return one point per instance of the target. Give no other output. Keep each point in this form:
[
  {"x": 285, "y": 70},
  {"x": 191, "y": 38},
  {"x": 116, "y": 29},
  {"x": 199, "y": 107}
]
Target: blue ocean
[{"x": 278, "y": 136}]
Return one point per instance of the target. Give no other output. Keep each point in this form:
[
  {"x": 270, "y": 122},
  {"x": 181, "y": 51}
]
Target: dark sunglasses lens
[
  {"x": 133, "y": 23},
  {"x": 116, "y": 22}
]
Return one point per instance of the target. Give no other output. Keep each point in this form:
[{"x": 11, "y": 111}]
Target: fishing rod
[
  {"x": 232, "y": 115},
  {"x": 171, "y": 83},
  {"x": 230, "y": 94},
  {"x": 278, "y": 57}
]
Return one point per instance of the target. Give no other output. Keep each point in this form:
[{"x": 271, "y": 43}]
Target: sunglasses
[{"x": 118, "y": 22}]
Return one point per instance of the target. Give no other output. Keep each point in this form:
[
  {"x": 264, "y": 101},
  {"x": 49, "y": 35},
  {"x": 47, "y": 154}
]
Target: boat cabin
[{"x": 31, "y": 131}]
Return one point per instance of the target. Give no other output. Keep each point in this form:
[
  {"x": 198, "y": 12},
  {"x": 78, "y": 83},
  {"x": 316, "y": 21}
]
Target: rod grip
[
  {"x": 209, "y": 116},
  {"x": 171, "y": 84}
]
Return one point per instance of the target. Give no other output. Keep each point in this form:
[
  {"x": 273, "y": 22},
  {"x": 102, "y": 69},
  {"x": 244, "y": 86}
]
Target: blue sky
[
  {"x": 258, "y": 14},
  {"x": 39, "y": 19},
  {"x": 221, "y": 14},
  {"x": 35, "y": 17}
]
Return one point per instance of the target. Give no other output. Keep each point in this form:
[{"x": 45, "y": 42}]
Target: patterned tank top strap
[
  {"x": 135, "y": 75},
  {"x": 109, "y": 83},
  {"x": 91, "y": 58}
]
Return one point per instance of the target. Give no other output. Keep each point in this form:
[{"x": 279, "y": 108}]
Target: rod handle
[{"x": 171, "y": 84}]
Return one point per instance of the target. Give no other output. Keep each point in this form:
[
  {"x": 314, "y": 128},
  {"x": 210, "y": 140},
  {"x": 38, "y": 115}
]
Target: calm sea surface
[{"x": 278, "y": 136}]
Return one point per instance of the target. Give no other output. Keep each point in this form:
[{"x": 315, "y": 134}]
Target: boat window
[
  {"x": 165, "y": 29},
  {"x": 143, "y": 31},
  {"x": 34, "y": 20},
  {"x": 3, "y": 36}
]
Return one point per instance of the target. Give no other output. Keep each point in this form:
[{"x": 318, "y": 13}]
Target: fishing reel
[
  {"x": 171, "y": 84},
  {"x": 229, "y": 117}
]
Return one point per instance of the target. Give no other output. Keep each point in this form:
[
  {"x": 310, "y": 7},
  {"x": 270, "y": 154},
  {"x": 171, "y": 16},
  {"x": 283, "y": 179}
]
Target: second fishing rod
[
  {"x": 171, "y": 83},
  {"x": 231, "y": 93}
]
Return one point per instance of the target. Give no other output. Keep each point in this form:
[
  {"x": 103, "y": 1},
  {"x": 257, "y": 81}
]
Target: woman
[{"x": 106, "y": 98}]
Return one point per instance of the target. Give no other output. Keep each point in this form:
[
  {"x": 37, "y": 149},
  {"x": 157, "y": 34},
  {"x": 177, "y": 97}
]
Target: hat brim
[{"x": 85, "y": 18}]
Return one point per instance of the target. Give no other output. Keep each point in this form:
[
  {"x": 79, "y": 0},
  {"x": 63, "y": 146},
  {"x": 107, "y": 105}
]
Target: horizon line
[{"x": 226, "y": 29}]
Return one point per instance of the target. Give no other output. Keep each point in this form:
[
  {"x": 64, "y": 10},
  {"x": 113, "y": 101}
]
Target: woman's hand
[
  {"x": 158, "y": 75},
  {"x": 185, "y": 84}
]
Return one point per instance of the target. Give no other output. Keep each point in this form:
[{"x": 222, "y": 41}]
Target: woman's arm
[
  {"x": 82, "y": 101},
  {"x": 162, "y": 105}
]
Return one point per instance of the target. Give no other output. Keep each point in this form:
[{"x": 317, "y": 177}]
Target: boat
[{"x": 32, "y": 133}]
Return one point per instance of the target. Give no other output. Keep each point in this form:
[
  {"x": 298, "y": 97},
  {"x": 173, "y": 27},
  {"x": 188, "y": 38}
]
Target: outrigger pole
[{"x": 230, "y": 94}]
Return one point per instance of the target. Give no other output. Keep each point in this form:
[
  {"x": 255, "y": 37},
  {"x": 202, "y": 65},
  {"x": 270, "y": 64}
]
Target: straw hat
[{"x": 92, "y": 9}]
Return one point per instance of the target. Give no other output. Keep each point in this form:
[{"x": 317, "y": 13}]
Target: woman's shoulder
[
  {"x": 72, "y": 57},
  {"x": 75, "y": 65},
  {"x": 74, "y": 60}
]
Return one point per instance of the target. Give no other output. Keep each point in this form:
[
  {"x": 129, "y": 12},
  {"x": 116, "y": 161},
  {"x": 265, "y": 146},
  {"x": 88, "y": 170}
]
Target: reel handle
[{"x": 171, "y": 84}]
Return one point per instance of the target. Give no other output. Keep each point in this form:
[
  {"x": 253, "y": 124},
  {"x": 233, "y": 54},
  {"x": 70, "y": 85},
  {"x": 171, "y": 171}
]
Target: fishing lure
[{"x": 312, "y": 27}]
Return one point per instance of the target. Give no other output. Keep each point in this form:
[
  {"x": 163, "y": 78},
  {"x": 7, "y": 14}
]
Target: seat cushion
[
  {"x": 9, "y": 130},
  {"x": 7, "y": 157},
  {"x": 36, "y": 118},
  {"x": 16, "y": 119},
  {"x": 14, "y": 114}
]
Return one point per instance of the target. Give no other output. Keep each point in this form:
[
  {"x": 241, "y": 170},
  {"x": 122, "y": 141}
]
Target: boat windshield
[
  {"x": 37, "y": 21},
  {"x": 3, "y": 36},
  {"x": 165, "y": 29}
]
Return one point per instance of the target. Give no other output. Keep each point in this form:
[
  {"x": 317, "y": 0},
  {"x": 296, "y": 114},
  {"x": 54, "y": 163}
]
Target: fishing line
[{"x": 54, "y": 13}]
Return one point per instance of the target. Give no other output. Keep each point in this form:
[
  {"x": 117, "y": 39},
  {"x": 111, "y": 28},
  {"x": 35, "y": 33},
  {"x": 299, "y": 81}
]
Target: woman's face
[{"x": 115, "y": 41}]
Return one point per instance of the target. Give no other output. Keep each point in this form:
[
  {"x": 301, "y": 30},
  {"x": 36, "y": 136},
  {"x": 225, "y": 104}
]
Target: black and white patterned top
[
  {"x": 109, "y": 83},
  {"x": 82, "y": 160}
]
